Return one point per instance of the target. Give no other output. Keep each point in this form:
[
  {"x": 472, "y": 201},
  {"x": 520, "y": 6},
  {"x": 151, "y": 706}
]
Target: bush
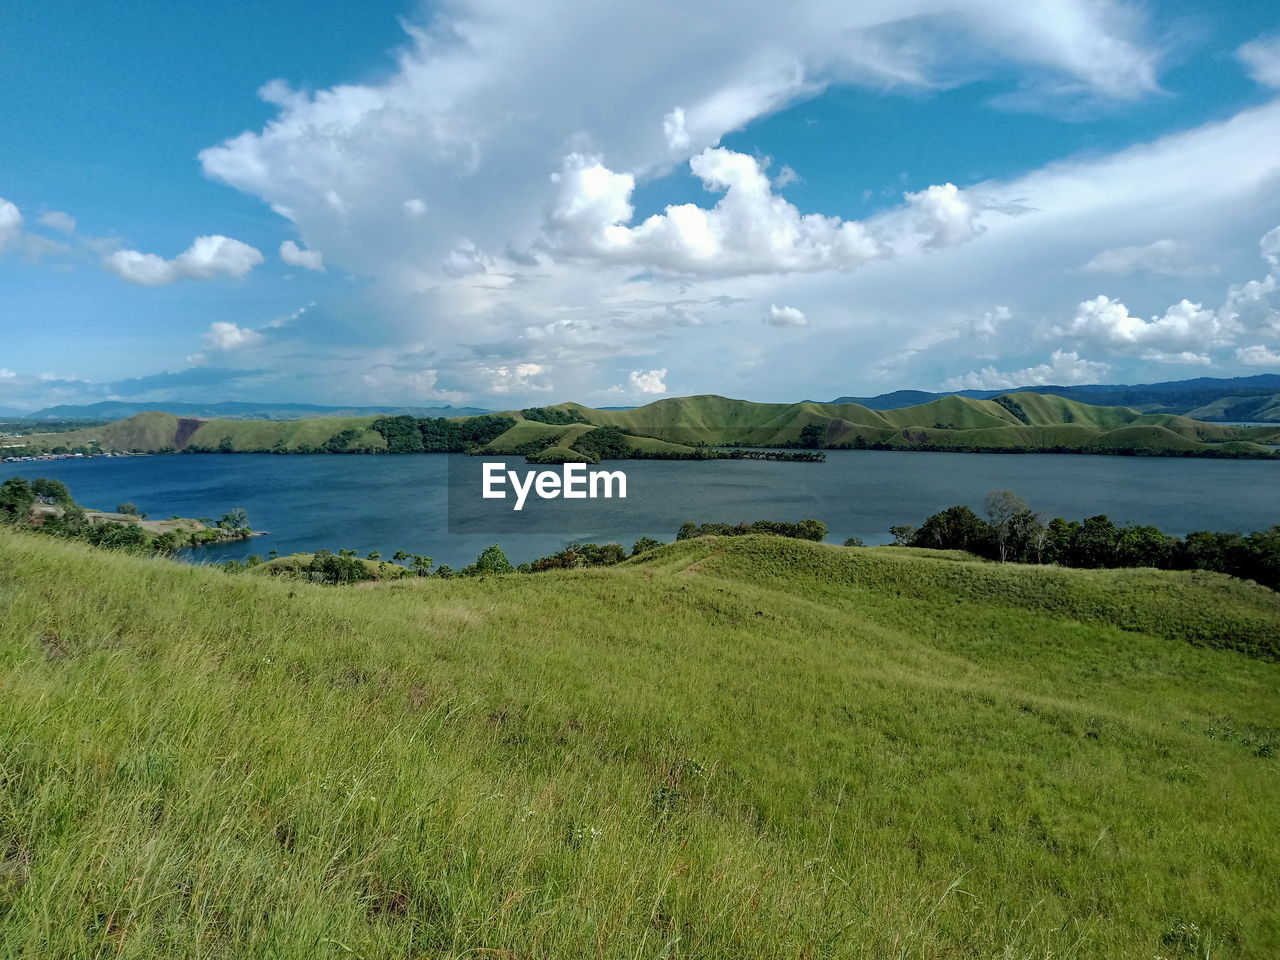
[{"x": 814, "y": 530}]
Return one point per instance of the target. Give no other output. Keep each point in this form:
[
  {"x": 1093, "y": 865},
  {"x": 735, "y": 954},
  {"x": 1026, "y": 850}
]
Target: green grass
[
  {"x": 733, "y": 748},
  {"x": 264, "y": 434}
]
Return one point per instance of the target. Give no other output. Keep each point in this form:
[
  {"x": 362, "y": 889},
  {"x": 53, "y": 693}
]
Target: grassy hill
[
  {"x": 675, "y": 426},
  {"x": 746, "y": 747}
]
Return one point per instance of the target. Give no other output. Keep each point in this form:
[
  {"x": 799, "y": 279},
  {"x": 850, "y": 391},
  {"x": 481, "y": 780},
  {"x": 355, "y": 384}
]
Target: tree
[
  {"x": 375, "y": 555},
  {"x": 327, "y": 568},
  {"x": 492, "y": 560},
  {"x": 16, "y": 500},
  {"x": 52, "y": 490},
  {"x": 128, "y": 508},
  {"x": 237, "y": 519},
  {"x": 1002, "y": 507},
  {"x": 854, "y": 542},
  {"x": 644, "y": 544},
  {"x": 444, "y": 571},
  {"x": 956, "y": 528},
  {"x": 422, "y": 565},
  {"x": 401, "y": 434},
  {"x": 813, "y": 436},
  {"x": 903, "y": 534},
  {"x": 400, "y": 556},
  {"x": 604, "y": 443}
]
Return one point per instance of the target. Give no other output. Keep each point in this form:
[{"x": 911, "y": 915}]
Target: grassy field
[{"x": 730, "y": 748}]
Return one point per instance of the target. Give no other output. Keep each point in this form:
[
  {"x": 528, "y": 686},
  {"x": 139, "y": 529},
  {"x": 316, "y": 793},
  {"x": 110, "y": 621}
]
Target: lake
[{"x": 389, "y": 503}]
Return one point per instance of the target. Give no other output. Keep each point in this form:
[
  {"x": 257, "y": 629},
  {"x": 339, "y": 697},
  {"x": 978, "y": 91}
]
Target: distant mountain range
[
  {"x": 231, "y": 410},
  {"x": 1255, "y": 398}
]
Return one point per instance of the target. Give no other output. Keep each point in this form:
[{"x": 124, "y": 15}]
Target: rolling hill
[
  {"x": 748, "y": 747},
  {"x": 232, "y": 410},
  {"x": 1255, "y": 398},
  {"x": 679, "y": 426}
]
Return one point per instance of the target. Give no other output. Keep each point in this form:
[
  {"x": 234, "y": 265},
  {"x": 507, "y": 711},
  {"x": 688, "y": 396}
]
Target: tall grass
[{"x": 747, "y": 748}]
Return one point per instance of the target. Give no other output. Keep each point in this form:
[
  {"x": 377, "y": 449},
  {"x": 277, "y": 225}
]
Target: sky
[{"x": 496, "y": 203}]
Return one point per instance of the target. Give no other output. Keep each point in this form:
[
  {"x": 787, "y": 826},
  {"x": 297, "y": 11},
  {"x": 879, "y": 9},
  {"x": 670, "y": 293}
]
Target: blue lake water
[{"x": 401, "y": 502}]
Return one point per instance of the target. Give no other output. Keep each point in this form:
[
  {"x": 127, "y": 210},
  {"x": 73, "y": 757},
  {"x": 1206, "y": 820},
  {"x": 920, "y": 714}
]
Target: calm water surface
[{"x": 389, "y": 503}]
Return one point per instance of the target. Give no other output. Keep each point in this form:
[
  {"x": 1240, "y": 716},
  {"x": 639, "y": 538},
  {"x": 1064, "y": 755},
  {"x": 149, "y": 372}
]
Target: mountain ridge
[{"x": 1212, "y": 399}]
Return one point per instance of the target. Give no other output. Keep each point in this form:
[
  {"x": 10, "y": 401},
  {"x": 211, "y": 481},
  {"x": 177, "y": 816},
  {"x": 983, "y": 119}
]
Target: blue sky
[{"x": 489, "y": 204}]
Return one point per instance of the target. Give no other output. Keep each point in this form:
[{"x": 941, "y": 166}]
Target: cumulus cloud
[
  {"x": 57, "y": 220},
  {"x": 1063, "y": 369},
  {"x": 1262, "y": 59},
  {"x": 297, "y": 256},
  {"x": 650, "y": 382},
  {"x": 785, "y": 317},
  {"x": 225, "y": 337},
  {"x": 1258, "y": 355},
  {"x": 487, "y": 84},
  {"x": 1103, "y": 322},
  {"x": 750, "y": 230},
  {"x": 516, "y": 378},
  {"x": 1167, "y": 258},
  {"x": 415, "y": 206},
  {"x": 944, "y": 216},
  {"x": 206, "y": 258}
]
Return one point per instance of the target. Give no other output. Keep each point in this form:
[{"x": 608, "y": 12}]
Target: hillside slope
[
  {"x": 1205, "y": 398},
  {"x": 724, "y": 748}
]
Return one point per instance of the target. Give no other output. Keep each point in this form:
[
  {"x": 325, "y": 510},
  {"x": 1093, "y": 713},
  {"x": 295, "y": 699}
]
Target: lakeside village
[{"x": 63, "y": 456}]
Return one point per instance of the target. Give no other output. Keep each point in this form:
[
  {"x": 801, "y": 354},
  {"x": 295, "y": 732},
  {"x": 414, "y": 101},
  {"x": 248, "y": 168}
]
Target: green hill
[
  {"x": 1261, "y": 408},
  {"x": 747, "y": 747},
  {"x": 1019, "y": 422}
]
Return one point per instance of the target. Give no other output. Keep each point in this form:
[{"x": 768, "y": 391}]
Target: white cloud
[
  {"x": 490, "y": 84},
  {"x": 1270, "y": 247},
  {"x": 944, "y": 216},
  {"x": 297, "y": 256},
  {"x": 1262, "y": 59},
  {"x": 1063, "y": 369},
  {"x": 785, "y": 317},
  {"x": 10, "y": 223},
  {"x": 206, "y": 258},
  {"x": 415, "y": 206},
  {"x": 1188, "y": 357},
  {"x": 225, "y": 337},
  {"x": 986, "y": 326},
  {"x": 750, "y": 229},
  {"x": 516, "y": 378},
  {"x": 57, "y": 220},
  {"x": 650, "y": 382},
  {"x": 1106, "y": 323},
  {"x": 1258, "y": 355},
  {"x": 471, "y": 117},
  {"x": 1167, "y": 258},
  {"x": 673, "y": 129}
]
